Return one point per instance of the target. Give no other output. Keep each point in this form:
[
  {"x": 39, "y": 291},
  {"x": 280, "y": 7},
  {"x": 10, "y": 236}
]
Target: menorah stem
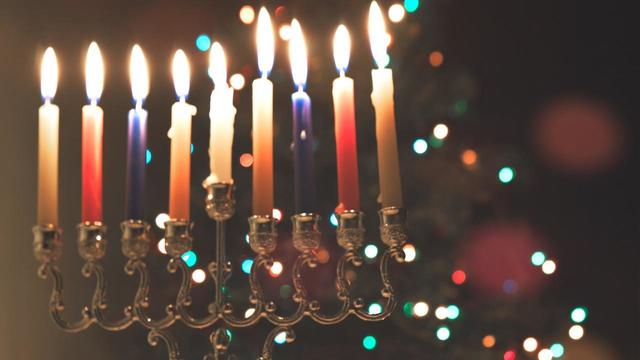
[{"x": 220, "y": 260}]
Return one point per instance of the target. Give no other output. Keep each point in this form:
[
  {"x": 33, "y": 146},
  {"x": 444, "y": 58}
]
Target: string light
[
  {"x": 237, "y": 81},
  {"x": 246, "y": 160},
  {"x": 440, "y": 131},
  {"x": 576, "y": 332},
  {"x": 443, "y": 333},
  {"x": 420, "y": 309},
  {"x": 190, "y": 258},
  {"x": 411, "y": 5},
  {"x": 436, "y": 59},
  {"x": 557, "y": 350},
  {"x": 396, "y": 13},
  {"x": 441, "y": 312},
  {"x": 371, "y": 251},
  {"x": 162, "y": 246},
  {"x": 538, "y": 258},
  {"x": 453, "y": 312},
  {"x": 509, "y": 355},
  {"x": 203, "y": 42},
  {"x": 161, "y": 219},
  {"x": 249, "y": 312},
  {"x": 488, "y": 341},
  {"x": 281, "y": 338},
  {"x": 276, "y": 269},
  {"x": 459, "y": 277},
  {"x": 277, "y": 214},
  {"x": 506, "y": 175},
  {"x": 469, "y": 157},
  {"x": 409, "y": 252},
  {"x": 285, "y": 32},
  {"x": 198, "y": 276},
  {"x": 246, "y": 265},
  {"x": 530, "y": 344},
  {"x": 374, "y": 309},
  {"x": 549, "y": 267},
  {"x": 579, "y": 314},
  {"x": 323, "y": 256},
  {"x": 545, "y": 354},
  {"x": 420, "y": 146},
  {"x": 333, "y": 219},
  {"x": 247, "y": 14},
  {"x": 148, "y": 157},
  {"x": 369, "y": 342}
]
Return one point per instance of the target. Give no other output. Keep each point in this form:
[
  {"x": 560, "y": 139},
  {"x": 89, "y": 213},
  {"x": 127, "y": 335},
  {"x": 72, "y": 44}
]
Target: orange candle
[
  {"x": 48, "y": 122},
  {"x": 180, "y": 134},
  {"x": 263, "y": 120},
  {"x": 92, "y": 123},
  {"x": 345, "y": 126}
]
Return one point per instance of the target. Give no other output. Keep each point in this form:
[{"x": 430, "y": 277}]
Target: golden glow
[
  {"x": 549, "y": 267},
  {"x": 420, "y": 309},
  {"x": 530, "y": 344},
  {"x": 440, "y": 131},
  {"x": 198, "y": 276},
  {"x": 276, "y": 269},
  {"x": 247, "y": 14},
  {"x": 94, "y": 73},
  {"x": 285, "y": 32},
  {"x": 236, "y": 81},
  {"x": 181, "y": 74},
  {"x": 576, "y": 332},
  {"x": 139, "y": 74},
  {"x": 488, "y": 341},
  {"x": 218, "y": 65},
  {"x": 441, "y": 312},
  {"x": 49, "y": 74},
  {"x": 396, "y": 13},
  {"x": 298, "y": 54},
  {"x": 342, "y": 48},
  {"x": 265, "y": 42},
  {"x": 377, "y": 35},
  {"x": 409, "y": 252}
]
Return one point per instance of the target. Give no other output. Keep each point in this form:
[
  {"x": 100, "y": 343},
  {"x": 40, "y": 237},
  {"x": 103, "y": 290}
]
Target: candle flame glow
[
  {"x": 218, "y": 65},
  {"x": 377, "y": 35},
  {"x": 342, "y": 48},
  {"x": 265, "y": 42},
  {"x": 298, "y": 55},
  {"x": 94, "y": 73},
  {"x": 49, "y": 74},
  {"x": 181, "y": 74},
  {"x": 139, "y": 73}
]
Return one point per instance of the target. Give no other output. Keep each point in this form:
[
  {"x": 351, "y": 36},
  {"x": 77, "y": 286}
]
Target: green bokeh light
[
  {"x": 506, "y": 175},
  {"x": 190, "y": 258},
  {"x": 538, "y": 258},
  {"x": 557, "y": 350},
  {"x": 369, "y": 342},
  {"x": 443, "y": 333},
  {"x": 374, "y": 309},
  {"x": 407, "y": 309},
  {"x": 453, "y": 312},
  {"x": 411, "y": 5},
  {"x": 579, "y": 314}
]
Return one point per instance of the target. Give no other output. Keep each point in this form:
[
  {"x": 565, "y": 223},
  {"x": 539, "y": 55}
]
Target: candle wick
[
  {"x": 47, "y": 100},
  {"x": 94, "y": 102},
  {"x": 183, "y": 99},
  {"x": 264, "y": 75},
  {"x": 300, "y": 88},
  {"x": 342, "y": 73},
  {"x": 138, "y": 104}
]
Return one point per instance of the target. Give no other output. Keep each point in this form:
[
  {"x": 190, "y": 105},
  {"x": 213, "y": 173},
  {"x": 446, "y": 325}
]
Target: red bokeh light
[
  {"x": 459, "y": 277},
  {"x": 246, "y": 160},
  {"x": 510, "y": 355}
]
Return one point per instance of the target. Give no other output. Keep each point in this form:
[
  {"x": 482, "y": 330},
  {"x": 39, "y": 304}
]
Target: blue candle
[
  {"x": 304, "y": 181},
  {"x": 137, "y": 137}
]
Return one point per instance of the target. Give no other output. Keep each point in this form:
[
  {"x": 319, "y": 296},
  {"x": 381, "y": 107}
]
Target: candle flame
[
  {"x": 342, "y": 48},
  {"x": 181, "y": 74},
  {"x": 377, "y": 35},
  {"x": 49, "y": 74},
  {"x": 298, "y": 54},
  {"x": 94, "y": 73},
  {"x": 218, "y": 65},
  {"x": 139, "y": 73},
  {"x": 265, "y": 42}
]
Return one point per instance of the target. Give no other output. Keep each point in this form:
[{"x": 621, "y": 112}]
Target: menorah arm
[
  {"x": 267, "y": 348},
  {"x": 99, "y": 304},
  {"x": 387, "y": 292},
  {"x": 183, "y": 302},
  {"x": 141, "y": 301},
  {"x": 306, "y": 258},
  {"x": 154, "y": 338},
  {"x": 262, "y": 261}
]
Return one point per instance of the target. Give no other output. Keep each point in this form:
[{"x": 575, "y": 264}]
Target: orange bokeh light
[
  {"x": 436, "y": 59},
  {"x": 246, "y": 160},
  {"x": 469, "y": 157},
  {"x": 322, "y": 255},
  {"x": 488, "y": 341}
]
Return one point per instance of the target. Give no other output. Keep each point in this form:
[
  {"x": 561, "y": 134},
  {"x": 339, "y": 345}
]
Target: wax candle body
[
  {"x": 180, "y": 171},
  {"x": 304, "y": 179},
  {"x": 48, "y": 124},
  {"x": 262, "y": 146},
  {"x": 388, "y": 164},
  {"x": 222, "y": 114},
  {"x": 92, "y": 123},
  {"x": 346, "y": 145},
  {"x": 136, "y": 163}
]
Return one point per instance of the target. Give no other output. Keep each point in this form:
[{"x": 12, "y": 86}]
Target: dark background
[{"x": 507, "y": 59}]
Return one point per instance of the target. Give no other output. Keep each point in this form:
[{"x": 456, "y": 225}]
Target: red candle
[
  {"x": 92, "y": 119},
  {"x": 345, "y": 126}
]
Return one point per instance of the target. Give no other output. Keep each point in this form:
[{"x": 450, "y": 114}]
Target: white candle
[
  {"x": 222, "y": 115},
  {"x": 263, "y": 120},
  {"x": 48, "y": 123},
  {"x": 382, "y": 99},
  {"x": 180, "y": 133}
]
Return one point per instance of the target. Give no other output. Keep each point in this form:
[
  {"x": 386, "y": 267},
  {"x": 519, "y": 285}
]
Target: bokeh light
[
  {"x": 161, "y": 219},
  {"x": 579, "y": 314},
  {"x": 285, "y": 32},
  {"x": 407, "y": 309},
  {"x": 285, "y": 291},
  {"x": 545, "y": 354},
  {"x": 203, "y": 42},
  {"x": 453, "y": 312},
  {"x": 193, "y": 148},
  {"x": 557, "y": 350},
  {"x": 420, "y": 309},
  {"x": 510, "y": 286},
  {"x": 246, "y": 265},
  {"x": 374, "y": 309},
  {"x": 249, "y": 312},
  {"x": 443, "y": 333},
  {"x": 323, "y": 255},
  {"x": 247, "y": 14},
  {"x": 162, "y": 246},
  {"x": 237, "y": 81},
  {"x": 396, "y": 13},
  {"x": 198, "y": 276},
  {"x": 436, "y": 59},
  {"x": 333, "y": 219},
  {"x": 509, "y": 355},
  {"x": 371, "y": 251},
  {"x": 576, "y": 332},
  {"x": 246, "y": 238},
  {"x": 281, "y": 338},
  {"x": 549, "y": 267},
  {"x": 530, "y": 344},
  {"x": 441, "y": 313},
  {"x": 409, "y": 252},
  {"x": 420, "y": 146},
  {"x": 369, "y": 342},
  {"x": 411, "y": 5},
  {"x": 488, "y": 341},
  {"x": 440, "y": 131},
  {"x": 246, "y": 160},
  {"x": 459, "y": 277},
  {"x": 538, "y": 258},
  {"x": 276, "y": 269},
  {"x": 148, "y": 157},
  {"x": 469, "y": 157},
  {"x": 190, "y": 258},
  {"x": 506, "y": 175},
  {"x": 277, "y": 214}
]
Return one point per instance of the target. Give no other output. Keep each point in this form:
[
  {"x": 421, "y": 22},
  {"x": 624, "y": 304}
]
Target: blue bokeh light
[
  {"x": 420, "y": 146},
  {"x": 247, "y": 264},
  {"x": 203, "y": 42},
  {"x": 148, "y": 157},
  {"x": 190, "y": 258},
  {"x": 333, "y": 220}
]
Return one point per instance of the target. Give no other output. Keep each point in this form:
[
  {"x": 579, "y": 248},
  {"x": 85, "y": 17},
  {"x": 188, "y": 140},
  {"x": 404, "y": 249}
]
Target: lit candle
[
  {"x": 137, "y": 136},
  {"x": 92, "y": 123},
  {"x": 382, "y": 99},
  {"x": 180, "y": 133},
  {"x": 345, "y": 125},
  {"x": 263, "y": 119},
  {"x": 48, "y": 116},
  {"x": 304, "y": 182},
  {"x": 222, "y": 115}
]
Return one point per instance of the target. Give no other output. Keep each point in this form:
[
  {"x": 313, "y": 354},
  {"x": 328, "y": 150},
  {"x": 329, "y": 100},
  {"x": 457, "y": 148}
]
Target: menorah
[{"x": 220, "y": 206}]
